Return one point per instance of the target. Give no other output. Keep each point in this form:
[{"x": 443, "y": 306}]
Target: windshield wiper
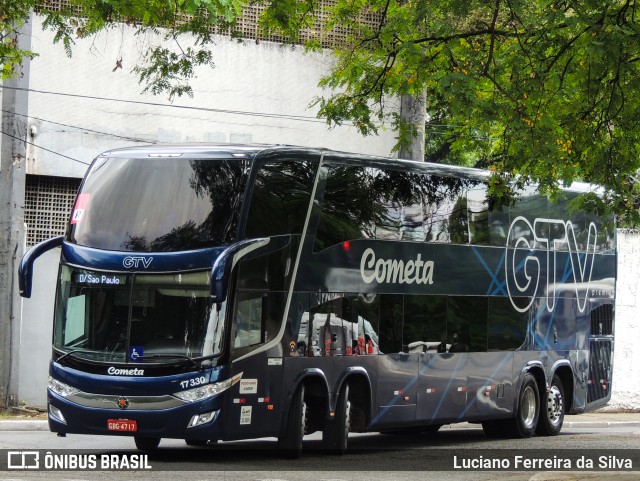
[
  {"x": 182, "y": 357},
  {"x": 73, "y": 351}
]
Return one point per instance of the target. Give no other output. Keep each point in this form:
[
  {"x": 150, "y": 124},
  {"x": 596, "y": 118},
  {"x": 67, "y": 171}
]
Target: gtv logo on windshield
[
  {"x": 136, "y": 262},
  {"x": 523, "y": 268}
]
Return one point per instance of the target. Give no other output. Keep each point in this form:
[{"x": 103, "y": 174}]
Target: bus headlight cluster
[
  {"x": 60, "y": 388},
  {"x": 200, "y": 419},
  {"x": 201, "y": 393}
]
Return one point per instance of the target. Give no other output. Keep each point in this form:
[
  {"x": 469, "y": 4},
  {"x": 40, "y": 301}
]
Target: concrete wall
[
  {"x": 626, "y": 381},
  {"x": 256, "y": 93}
]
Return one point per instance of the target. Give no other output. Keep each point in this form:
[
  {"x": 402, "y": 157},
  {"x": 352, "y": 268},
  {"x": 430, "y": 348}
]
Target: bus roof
[{"x": 251, "y": 151}]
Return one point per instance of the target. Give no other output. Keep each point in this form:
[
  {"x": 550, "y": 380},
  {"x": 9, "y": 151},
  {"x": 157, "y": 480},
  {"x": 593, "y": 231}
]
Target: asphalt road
[{"x": 370, "y": 456}]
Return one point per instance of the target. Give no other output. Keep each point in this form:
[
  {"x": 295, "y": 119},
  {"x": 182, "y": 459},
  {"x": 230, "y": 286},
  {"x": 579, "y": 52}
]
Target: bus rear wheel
[
  {"x": 146, "y": 443},
  {"x": 291, "y": 439},
  {"x": 336, "y": 432},
  {"x": 526, "y": 420},
  {"x": 552, "y": 410}
]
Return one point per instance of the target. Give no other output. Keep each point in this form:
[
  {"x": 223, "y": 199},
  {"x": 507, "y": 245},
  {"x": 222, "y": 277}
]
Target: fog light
[
  {"x": 200, "y": 419},
  {"x": 56, "y": 414}
]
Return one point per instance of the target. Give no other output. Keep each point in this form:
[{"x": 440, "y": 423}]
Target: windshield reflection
[{"x": 159, "y": 318}]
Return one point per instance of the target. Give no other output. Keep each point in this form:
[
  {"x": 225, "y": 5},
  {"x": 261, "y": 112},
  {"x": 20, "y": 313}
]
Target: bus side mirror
[
  {"x": 223, "y": 265},
  {"x": 25, "y": 270}
]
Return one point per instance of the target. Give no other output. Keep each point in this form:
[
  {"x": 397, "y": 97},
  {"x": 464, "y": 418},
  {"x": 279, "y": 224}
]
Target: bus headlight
[
  {"x": 208, "y": 390},
  {"x": 60, "y": 388},
  {"x": 200, "y": 419}
]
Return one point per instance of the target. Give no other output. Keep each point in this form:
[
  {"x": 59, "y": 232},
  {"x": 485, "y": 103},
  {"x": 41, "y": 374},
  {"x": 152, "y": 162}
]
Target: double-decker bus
[{"x": 217, "y": 292}]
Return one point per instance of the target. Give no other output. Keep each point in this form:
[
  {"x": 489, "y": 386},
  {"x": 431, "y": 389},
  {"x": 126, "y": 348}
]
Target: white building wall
[
  {"x": 257, "y": 93},
  {"x": 626, "y": 381}
]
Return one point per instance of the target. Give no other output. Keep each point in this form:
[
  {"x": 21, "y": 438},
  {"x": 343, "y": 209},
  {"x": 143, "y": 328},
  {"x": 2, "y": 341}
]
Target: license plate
[{"x": 122, "y": 425}]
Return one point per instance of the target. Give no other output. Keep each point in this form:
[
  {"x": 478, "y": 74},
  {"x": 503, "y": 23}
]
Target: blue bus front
[
  {"x": 136, "y": 352},
  {"x": 139, "y": 336}
]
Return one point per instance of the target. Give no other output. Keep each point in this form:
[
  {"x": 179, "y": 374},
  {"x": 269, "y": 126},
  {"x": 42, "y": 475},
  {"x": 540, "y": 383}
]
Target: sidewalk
[{"x": 589, "y": 420}]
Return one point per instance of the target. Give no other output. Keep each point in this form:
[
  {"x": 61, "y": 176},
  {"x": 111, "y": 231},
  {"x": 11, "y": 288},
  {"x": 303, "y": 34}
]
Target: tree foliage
[
  {"x": 547, "y": 90},
  {"x": 185, "y": 29}
]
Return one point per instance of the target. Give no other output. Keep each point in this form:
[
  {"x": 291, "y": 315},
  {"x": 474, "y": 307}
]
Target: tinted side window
[
  {"x": 398, "y": 206},
  {"x": 507, "y": 327},
  {"x": 391, "y": 323},
  {"x": 347, "y": 207},
  {"x": 467, "y": 324},
  {"x": 280, "y": 198},
  {"x": 339, "y": 325},
  {"x": 488, "y": 220},
  {"x": 257, "y": 318},
  {"x": 425, "y": 324},
  {"x": 445, "y": 210}
]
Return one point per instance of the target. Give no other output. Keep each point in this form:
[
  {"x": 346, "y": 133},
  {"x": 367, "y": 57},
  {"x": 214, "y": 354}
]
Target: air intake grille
[
  {"x": 602, "y": 320},
  {"x": 48, "y": 203}
]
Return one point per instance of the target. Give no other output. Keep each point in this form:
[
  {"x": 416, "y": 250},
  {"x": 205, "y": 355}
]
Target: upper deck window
[
  {"x": 163, "y": 204},
  {"x": 280, "y": 197}
]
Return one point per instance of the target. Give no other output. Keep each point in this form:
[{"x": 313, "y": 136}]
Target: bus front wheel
[
  {"x": 291, "y": 439},
  {"x": 146, "y": 443},
  {"x": 552, "y": 409}
]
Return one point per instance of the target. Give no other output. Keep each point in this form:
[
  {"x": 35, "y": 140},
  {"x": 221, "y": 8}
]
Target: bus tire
[
  {"x": 291, "y": 440},
  {"x": 146, "y": 443},
  {"x": 336, "y": 432},
  {"x": 526, "y": 420},
  {"x": 552, "y": 410},
  {"x": 431, "y": 429},
  {"x": 493, "y": 429}
]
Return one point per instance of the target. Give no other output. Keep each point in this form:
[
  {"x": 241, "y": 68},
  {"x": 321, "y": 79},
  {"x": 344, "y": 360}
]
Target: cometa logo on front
[{"x": 114, "y": 371}]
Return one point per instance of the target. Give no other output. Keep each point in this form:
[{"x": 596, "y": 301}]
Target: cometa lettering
[
  {"x": 114, "y": 371},
  {"x": 394, "y": 271}
]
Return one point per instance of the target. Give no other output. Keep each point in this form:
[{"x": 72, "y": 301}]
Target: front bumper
[{"x": 154, "y": 416}]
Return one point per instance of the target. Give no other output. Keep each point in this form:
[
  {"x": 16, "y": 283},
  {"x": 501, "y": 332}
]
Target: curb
[
  {"x": 600, "y": 424},
  {"x": 24, "y": 425}
]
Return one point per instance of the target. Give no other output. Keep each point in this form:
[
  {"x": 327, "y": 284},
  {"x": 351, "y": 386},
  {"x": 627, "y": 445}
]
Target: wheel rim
[
  {"x": 555, "y": 405},
  {"x": 528, "y": 408},
  {"x": 347, "y": 420},
  {"x": 303, "y": 421}
]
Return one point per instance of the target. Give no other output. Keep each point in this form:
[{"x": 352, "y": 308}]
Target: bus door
[
  {"x": 257, "y": 304},
  {"x": 248, "y": 414}
]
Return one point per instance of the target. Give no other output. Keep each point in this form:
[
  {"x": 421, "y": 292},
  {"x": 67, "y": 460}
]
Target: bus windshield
[
  {"x": 117, "y": 317},
  {"x": 119, "y": 210}
]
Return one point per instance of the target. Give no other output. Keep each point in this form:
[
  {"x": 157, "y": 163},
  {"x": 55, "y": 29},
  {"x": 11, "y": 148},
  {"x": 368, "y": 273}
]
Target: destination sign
[{"x": 100, "y": 279}]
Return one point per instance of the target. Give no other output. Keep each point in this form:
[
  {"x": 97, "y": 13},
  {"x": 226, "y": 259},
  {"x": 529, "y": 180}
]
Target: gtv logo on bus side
[
  {"x": 136, "y": 261},
  {"x": 549, "y": 237}
]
